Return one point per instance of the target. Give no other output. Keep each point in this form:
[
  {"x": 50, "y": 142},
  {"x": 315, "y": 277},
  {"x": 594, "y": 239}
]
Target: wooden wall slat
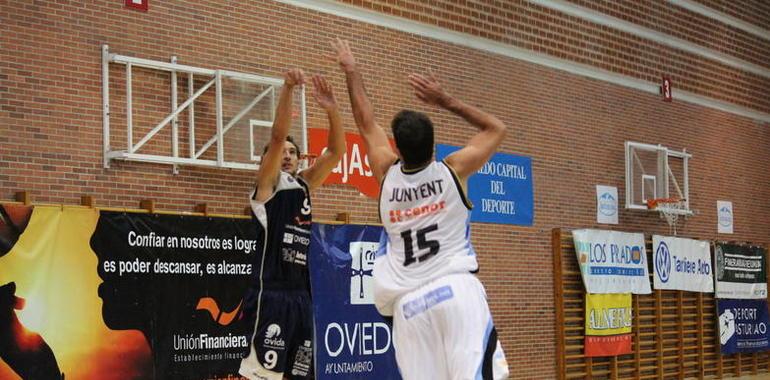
[{"x": 674, "y": 333}]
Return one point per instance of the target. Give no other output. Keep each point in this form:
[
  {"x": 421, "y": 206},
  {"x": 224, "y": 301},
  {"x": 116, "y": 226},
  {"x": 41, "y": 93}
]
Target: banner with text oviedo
[
  {"x": 353, "y": 341},
  {"x": 114, "y": 295},
  {"x": 682, "y": 264},
  {"x": 612, "y": 261}
]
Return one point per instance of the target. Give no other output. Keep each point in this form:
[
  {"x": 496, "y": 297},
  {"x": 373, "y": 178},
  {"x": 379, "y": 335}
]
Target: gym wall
[{"x": 571, "y": 126}]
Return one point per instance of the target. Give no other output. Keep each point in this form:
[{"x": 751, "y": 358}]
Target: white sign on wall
[
  {"x": 606, "y": 204},
  {"x": 725, "y": 217}
]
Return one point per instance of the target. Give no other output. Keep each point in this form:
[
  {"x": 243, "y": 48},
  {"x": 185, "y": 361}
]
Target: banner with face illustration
[{"x": 113, "y": 295}]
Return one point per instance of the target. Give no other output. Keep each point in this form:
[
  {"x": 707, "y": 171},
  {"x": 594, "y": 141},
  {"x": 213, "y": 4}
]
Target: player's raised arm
[
  {"x": 326, "y": 162},
  {"x": 483, "y": 145},
  {"x": 381, "y": 154},
  {"x": 270, "y": 166}
]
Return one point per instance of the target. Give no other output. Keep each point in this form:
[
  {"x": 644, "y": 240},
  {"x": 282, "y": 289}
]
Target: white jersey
[{"x": 427, "y": 220}]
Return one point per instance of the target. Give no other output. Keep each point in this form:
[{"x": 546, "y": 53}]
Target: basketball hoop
[
  {"x": 669, "y": 209},
  {"x": 307, "y": 160}
]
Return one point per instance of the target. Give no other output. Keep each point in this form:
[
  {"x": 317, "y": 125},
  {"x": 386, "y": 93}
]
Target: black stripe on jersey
[
  {"x": 489, "y": 353},
  {"x": 382, "y": 182},
  {"x": 415, "y": 170},
  {"x": 460, "y": 189},
  {"x": 301, "y": 180}
]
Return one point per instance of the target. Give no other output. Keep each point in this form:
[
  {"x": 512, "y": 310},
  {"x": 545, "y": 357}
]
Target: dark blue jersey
[
  {"x": 283, "y": 235},
  {"x": 278, "y": 301}
]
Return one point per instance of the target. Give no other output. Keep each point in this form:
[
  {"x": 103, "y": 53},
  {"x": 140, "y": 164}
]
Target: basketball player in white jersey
[{"x": 442, "y": 327}]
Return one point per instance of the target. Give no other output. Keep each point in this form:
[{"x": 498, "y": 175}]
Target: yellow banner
[{"x": 608, "y": 314}]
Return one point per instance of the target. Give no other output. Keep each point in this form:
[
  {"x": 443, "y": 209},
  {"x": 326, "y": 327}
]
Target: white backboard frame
[{"x": 662, "y": 177}]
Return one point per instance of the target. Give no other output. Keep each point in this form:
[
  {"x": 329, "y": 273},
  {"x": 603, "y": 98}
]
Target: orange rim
[{"x": 653, "y": 203}]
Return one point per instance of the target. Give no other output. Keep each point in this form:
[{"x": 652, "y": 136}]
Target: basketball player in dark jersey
[{"x": 278, "y": 303}]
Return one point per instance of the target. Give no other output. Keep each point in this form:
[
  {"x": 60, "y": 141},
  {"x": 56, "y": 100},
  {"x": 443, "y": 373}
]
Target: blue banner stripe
[{"x": 617, "y": 271}]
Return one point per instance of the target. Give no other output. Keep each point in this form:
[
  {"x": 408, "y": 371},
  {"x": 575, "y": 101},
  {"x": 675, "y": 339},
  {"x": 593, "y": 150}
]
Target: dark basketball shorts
[{"x": 282, "y": 343}]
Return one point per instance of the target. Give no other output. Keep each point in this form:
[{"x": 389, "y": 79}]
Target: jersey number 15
[{"x": 422, "y": 244}]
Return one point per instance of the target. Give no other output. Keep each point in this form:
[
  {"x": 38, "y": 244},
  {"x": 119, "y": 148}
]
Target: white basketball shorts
[{"x": 444, "y": 330}]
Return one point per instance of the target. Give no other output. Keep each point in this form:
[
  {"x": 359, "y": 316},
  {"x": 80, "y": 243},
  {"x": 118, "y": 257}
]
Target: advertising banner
[
  {"x": 501, "y": 191},
  {"x": 612, "y": 261},
  {"x": 352, "y": 340},
  {"x": 682, "y": 264},
  {"x": 743, "y": 325},
  {"x": 353, "y": 169},
  {"x": 608, "y": 324},
  {"x": 113, "y": 295},
  {"x": 740, "y": 271}
]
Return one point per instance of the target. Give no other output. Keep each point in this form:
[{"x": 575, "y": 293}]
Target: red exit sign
[{"x": 141, "y": 5}]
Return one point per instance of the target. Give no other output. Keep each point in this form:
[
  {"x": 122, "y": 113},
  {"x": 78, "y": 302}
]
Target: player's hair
[
  {"x": 413, "y": 132},
  {"x": 289, "y": 139}
]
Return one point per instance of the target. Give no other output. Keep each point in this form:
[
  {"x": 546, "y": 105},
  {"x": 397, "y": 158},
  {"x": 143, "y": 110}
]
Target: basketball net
[
  {"x": 307, "y": 160},
  {"x": 669, "y": 208}
]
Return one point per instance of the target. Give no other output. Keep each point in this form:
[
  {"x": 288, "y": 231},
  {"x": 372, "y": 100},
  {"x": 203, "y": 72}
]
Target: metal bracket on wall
[{"x": 214, "y": 79}]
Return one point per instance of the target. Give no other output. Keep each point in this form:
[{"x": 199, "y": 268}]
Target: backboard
[{"x": 654, "y": 172}]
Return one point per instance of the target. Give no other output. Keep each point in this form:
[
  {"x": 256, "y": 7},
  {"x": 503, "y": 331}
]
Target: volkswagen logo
[{"x": 663, "y": 262}]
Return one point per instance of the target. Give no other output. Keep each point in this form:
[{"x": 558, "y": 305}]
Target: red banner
[
  {"x": 354, "y": 167},
  {"x": 612, "y": 345}
]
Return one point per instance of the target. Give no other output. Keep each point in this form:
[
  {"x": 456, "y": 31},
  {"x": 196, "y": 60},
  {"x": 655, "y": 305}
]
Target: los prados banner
[
  {"x": 352, "y": 340},
  {"x": 608, "y": 324},
  {"x": 682, "y": 264},
  {"x": 743, "y": 325},
  {"x": 612, "y": 261},
  {"x": 740, "y": 271},
  {"x": 115, "y": 295}
]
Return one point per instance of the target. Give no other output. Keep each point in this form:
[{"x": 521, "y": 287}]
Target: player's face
[{"x": 289, "y": 162}]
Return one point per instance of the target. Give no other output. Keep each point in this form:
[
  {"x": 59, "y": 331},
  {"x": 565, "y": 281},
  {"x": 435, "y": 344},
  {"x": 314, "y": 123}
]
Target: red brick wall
[
  {"x": 533, "y": 27},
  {"x": 572, "y": 127}
]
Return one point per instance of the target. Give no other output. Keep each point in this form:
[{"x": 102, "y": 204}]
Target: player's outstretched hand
[
  {"x": 294, "y": 77},
  {"x": 323, "y": 93},
  {"x": 344, "y": 56},
  {"x": 428, "y": 89}
]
